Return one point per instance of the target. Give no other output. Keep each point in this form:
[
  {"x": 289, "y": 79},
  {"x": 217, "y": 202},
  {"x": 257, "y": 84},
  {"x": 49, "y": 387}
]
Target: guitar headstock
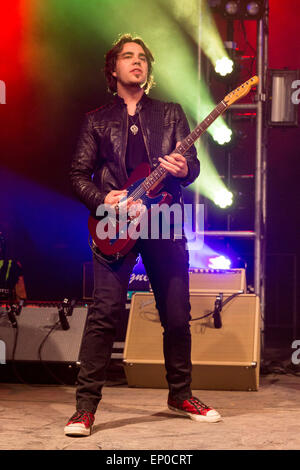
[{"x": 241, "y": 91}]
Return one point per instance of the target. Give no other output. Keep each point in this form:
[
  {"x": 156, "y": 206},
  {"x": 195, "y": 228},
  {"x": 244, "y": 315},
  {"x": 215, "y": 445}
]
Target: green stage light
[
  {"x": 195, "y": 18},
  {"x": 210, "y": 39},
  {"x": 222, "y": 135},
  {"x": 224, "y": 66},
  {"x": 209, "y": 184},
  {"x": 228, "y": 68},
  {"x": 223, "y": 198}
]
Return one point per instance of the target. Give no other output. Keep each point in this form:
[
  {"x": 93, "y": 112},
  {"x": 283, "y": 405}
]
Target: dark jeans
[{"x": 166, "y": 263}]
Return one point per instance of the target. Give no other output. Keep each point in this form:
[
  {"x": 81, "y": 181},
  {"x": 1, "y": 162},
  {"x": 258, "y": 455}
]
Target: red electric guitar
[{"x": 115, "y": 234}]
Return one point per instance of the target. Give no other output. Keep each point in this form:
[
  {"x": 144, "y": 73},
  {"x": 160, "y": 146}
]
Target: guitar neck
[
  {"x": 201, "y": 128},
  {"x": 158, "y": 175},
  {"x": 155, "y": 178}
]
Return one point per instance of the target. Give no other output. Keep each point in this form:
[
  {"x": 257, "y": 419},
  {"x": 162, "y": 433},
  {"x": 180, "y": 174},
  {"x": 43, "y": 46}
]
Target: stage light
[
  {"x": 210, "y": 184},
  {"x": 219, "y": 262},
  {"x": 239, "y": 9},
  {"x": 227, "y": 67},
  {"x": 223, "y": 198},
  {"x": 254, "y": 10},
  {"x": 210, "y": 39},
  {"x": 231, "y": 8},
  {"x": 224, "y": 66},
  {"x": 222, "y": 135}
]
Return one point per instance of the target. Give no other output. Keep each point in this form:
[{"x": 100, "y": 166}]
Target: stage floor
[{"x": 33, "y": 417}]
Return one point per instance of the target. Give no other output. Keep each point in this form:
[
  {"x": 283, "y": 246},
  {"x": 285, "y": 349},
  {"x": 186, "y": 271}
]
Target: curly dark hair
[{"x": 111, "y": 57}]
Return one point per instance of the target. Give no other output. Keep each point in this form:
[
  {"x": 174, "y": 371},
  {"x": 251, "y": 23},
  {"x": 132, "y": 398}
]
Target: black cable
[
  {"x": 40, "y": 353},
  {"x": 250, "y": 45},
  {"x": 223, "y": 304},
  {"x": 16, "y": 328},
  {"x": 45, "y": 339}
]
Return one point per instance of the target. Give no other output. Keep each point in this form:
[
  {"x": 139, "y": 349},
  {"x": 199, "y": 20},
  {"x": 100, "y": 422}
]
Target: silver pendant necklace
[{"x": 133, "y": 128}]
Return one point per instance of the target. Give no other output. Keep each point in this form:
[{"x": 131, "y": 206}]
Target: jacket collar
[{"x": 144, "y": 101}]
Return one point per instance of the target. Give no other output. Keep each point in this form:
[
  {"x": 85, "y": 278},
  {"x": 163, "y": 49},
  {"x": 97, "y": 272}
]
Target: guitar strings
[{"x": 139, "y": 191}]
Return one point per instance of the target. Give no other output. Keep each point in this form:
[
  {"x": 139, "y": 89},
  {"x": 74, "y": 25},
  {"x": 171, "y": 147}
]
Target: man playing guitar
[{"x": 115, "y": 139}]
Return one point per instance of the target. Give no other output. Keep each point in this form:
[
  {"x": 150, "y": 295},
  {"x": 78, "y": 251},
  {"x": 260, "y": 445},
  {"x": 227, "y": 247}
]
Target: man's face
[{"x": 131, "y": 65}]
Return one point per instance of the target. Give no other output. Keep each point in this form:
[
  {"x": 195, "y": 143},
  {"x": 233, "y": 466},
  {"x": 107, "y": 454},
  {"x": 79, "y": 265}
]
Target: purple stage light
[{"x": 219, "y": 262}]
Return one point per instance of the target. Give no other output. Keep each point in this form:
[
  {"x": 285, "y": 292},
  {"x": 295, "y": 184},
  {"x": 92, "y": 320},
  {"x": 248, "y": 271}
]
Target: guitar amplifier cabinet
[
  {"x": 226, "y": 281},
  {"x": 227, "y": 358},
  {"x": 34, "y": 323}
]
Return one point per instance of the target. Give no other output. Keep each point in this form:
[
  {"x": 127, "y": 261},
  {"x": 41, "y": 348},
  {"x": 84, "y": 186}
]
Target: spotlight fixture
[
  {"x": 239, "y": 9},
  {"x": 223, "y": 198},
  {"x": 254, "y": 10},
  {"x": 231, "y": 8}
]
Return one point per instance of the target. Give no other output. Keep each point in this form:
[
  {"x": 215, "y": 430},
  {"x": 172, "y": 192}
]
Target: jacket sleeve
[
  {"x": 83, "y": 166},
  {"x": 182, "y": 131}
]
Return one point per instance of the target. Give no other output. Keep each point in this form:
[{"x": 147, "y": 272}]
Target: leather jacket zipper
[
  {"x": 125, "y": 147},
  {"x": 145, "y": 140}
]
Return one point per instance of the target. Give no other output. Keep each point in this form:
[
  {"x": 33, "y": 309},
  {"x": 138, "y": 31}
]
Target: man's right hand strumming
[{"x": 115, "y": 196}]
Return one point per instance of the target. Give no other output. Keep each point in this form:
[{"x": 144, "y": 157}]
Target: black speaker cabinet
[{"x": 223, "y": 359}]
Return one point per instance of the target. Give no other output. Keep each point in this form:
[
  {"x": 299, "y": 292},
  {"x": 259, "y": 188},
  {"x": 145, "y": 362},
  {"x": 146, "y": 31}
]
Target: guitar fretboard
[{"x": 160, "y": 173}]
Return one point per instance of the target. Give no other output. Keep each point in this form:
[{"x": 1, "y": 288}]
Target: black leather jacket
[{"x": 99, "y": 164}]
